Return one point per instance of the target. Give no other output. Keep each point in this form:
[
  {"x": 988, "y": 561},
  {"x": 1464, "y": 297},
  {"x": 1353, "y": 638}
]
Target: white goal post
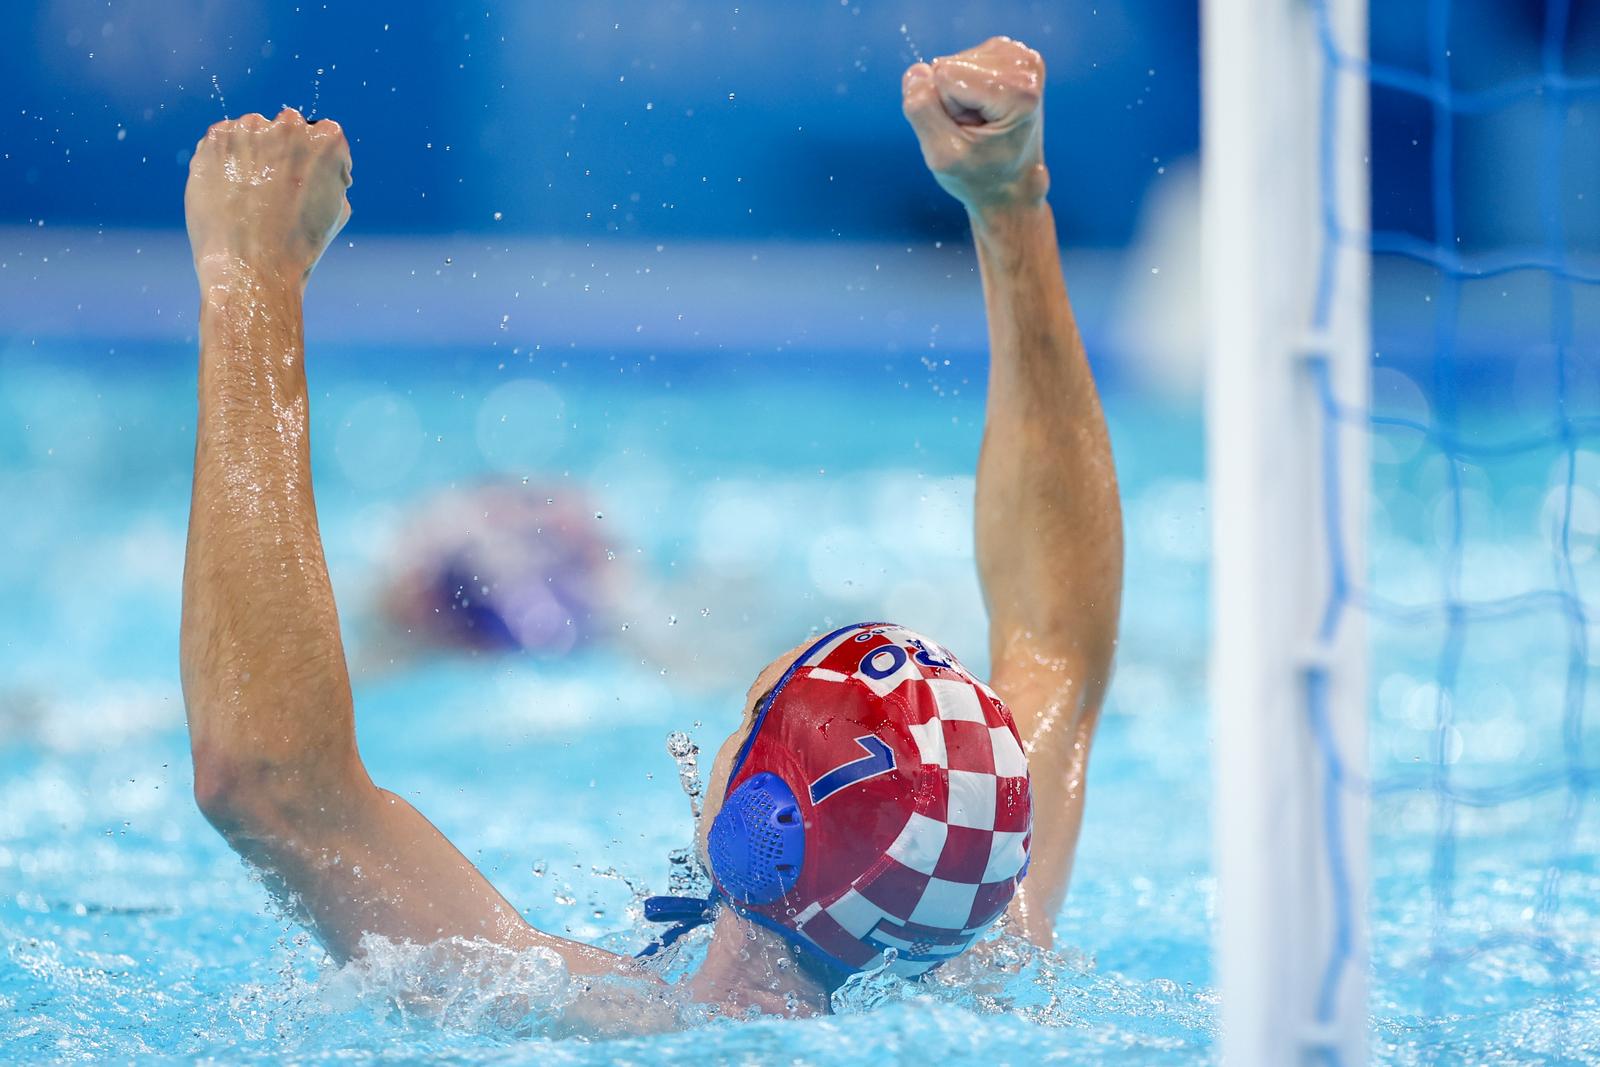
[{"x": 1288, "y": 690}]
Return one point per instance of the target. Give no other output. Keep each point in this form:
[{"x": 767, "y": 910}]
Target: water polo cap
[{"x": 881, "y": 801}]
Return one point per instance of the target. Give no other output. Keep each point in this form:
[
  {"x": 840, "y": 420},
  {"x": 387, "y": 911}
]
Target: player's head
[{"x": 875, "y": 797}]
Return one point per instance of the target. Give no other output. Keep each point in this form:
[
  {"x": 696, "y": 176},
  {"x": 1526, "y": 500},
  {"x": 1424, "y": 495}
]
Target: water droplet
[
  {"x": 910, "y": 44},
  {"x": 686, "y": 754}
]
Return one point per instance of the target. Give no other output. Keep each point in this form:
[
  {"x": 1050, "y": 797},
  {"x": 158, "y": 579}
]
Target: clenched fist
[
  {"x": 268, "y": 194},
  {"x": 977, "y": 115}
]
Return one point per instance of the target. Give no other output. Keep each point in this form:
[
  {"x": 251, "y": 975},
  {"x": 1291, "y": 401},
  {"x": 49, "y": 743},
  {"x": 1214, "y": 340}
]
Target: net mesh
[{"x": 1483, "y": 429}]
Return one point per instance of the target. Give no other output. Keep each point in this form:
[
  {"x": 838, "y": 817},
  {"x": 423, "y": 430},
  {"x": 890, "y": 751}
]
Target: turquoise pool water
[{"x": 744, "y": 502}]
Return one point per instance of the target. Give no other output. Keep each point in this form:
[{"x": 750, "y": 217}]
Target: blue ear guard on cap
[
  {"x": 757, "y": 842},
  {"x": 757, "y": 846}
]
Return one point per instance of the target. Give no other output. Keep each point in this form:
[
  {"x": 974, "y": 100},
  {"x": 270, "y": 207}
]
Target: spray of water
[
  {"x": 685, "y": 874},
  {"x": 911, "y": 46},
  {"x": 686, "y": 754}
]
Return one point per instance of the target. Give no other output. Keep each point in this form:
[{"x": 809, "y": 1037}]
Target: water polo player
[
  {"x": 497, "y": 567},
  {"x": 879, "y": 805}
]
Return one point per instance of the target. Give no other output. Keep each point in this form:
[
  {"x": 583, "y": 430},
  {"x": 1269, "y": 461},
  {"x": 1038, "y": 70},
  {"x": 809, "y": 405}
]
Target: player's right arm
[
  {"x": 265, "y": 683},
  {"x": 1049, "y": 524}
]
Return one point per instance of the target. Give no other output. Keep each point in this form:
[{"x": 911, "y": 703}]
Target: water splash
[
  {"x": 686, "y": 875},
  {"x": 636, "y": 890},
  {"x": 1007, "y": 976},
  {"x": 316, "y": 95},
  {"x": 216, "y": 91},
  {"x": 911, "y": 45},
  {"x": 686, "y": 754},
  {"x": 456, "y": 985}
]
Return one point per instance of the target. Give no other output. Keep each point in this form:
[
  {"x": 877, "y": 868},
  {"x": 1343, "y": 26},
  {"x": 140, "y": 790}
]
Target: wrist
[
  {"x": 234, "y": 271},
  {"x": 1020, "y": 202},
  {"x": 1007, "y": 223}
]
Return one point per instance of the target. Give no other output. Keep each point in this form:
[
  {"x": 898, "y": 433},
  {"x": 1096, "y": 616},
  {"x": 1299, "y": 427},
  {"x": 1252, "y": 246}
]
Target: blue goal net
[{"x": 1484, "y": 542}]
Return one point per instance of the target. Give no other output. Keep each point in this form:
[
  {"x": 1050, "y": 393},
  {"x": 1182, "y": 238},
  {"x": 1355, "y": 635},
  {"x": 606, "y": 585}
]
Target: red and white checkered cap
[{"x": 913, "y": 787}]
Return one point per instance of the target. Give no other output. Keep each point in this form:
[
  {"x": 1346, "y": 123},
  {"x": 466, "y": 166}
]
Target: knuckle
[{"x": 328, "y": 135}]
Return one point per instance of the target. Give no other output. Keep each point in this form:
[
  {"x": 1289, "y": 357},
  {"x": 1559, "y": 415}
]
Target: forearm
[
  {"x": 271, "y": 723},
  {"x": 270, "y": 715},
  {"x": 1049, "y": 525},
  {"x": 263, "y": 666},
  {"x": 356, "y": 860},
  {"x": 1049, "y": 538}
]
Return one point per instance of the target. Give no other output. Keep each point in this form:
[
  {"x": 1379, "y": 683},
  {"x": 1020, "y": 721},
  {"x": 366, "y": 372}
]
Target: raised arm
[
  {"x": 271, "y": 724},
  {"x": 1049, "y": 525}
]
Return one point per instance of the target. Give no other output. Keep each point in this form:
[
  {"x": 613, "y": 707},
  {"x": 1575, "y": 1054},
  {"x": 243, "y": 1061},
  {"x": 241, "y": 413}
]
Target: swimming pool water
[{"x": 745, "y": 502}]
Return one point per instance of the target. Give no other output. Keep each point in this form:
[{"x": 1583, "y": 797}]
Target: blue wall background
[
  {"x": 708, "y": 118},
  {"x": 688, "y": 117}
]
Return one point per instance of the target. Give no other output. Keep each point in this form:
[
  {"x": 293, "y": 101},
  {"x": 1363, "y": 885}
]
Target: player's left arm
[{"x": 1049, "y": 522}]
